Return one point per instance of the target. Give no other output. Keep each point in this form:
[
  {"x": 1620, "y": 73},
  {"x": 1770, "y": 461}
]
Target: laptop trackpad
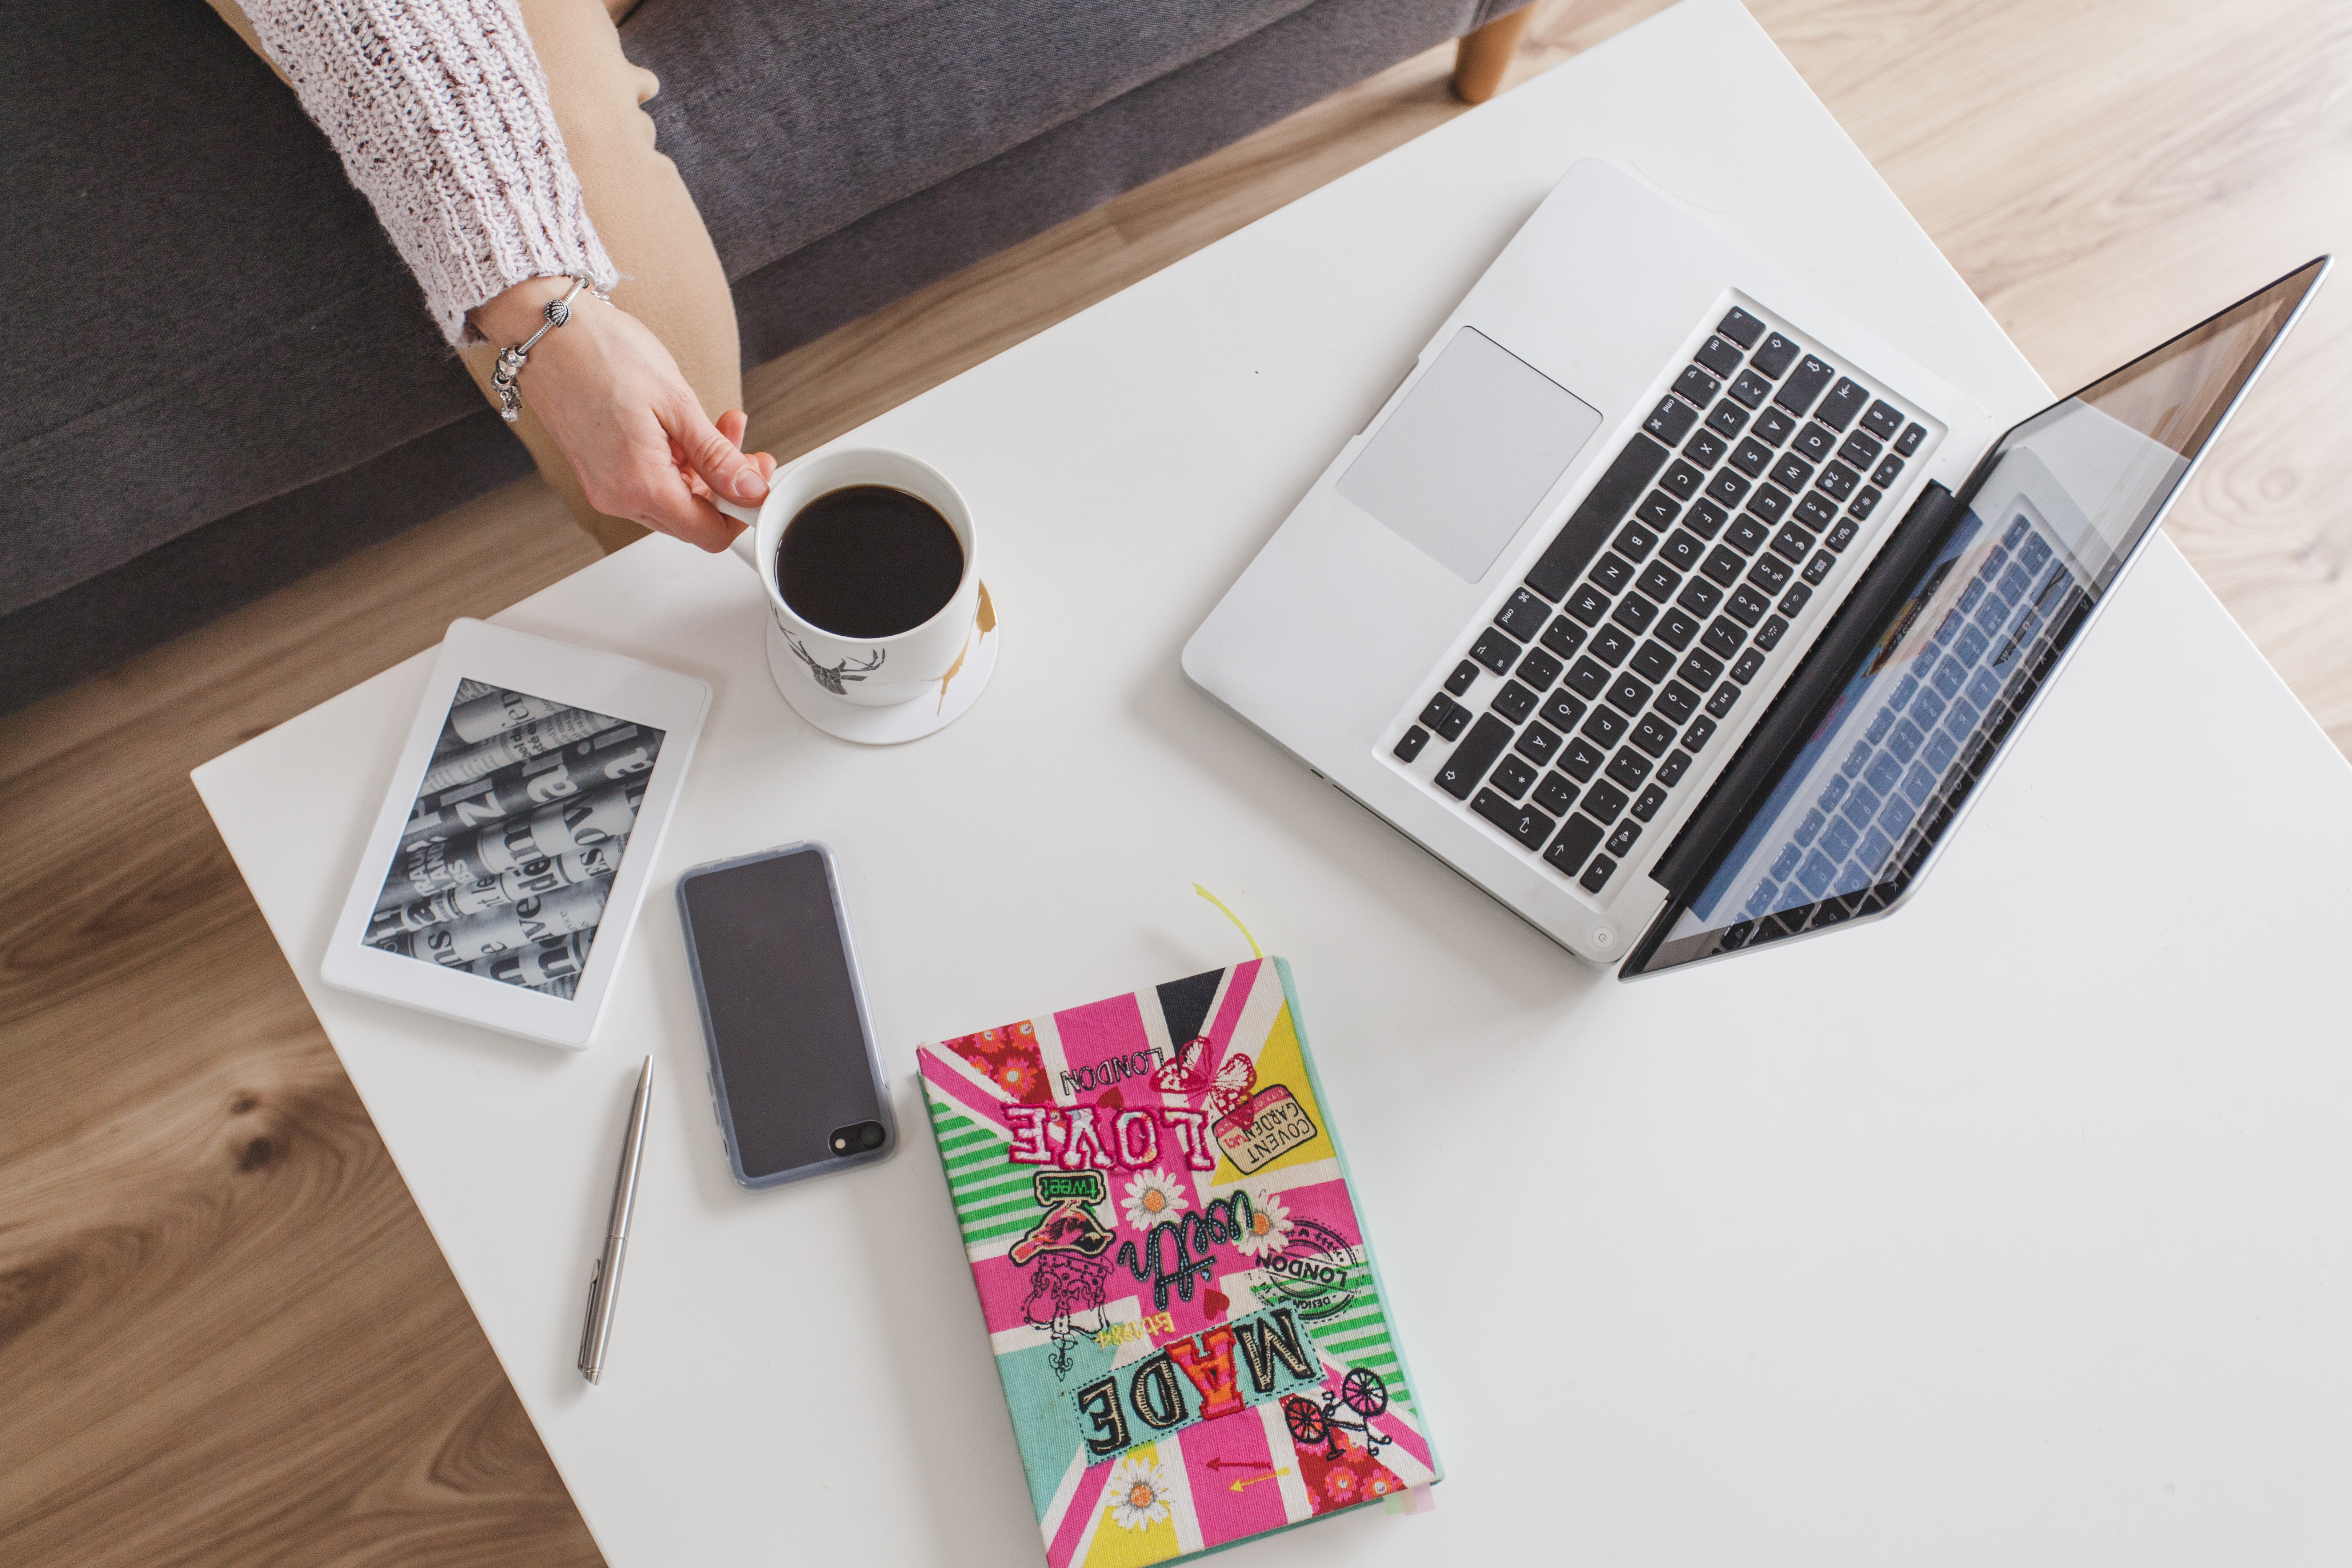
[{"x": 1476, "y": 444}]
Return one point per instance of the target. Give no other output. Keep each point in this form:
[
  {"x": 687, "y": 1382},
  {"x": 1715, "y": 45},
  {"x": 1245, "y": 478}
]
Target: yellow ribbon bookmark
[{"x": 1229, "y": 914}]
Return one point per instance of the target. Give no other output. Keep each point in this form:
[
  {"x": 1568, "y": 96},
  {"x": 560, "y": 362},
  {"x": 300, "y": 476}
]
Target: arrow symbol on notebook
[
  {"x": 1240, "y": 1464},
  {"x": 1253, "y": 1480}
]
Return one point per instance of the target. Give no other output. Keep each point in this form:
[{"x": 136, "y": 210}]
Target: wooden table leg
[{"x": 1483, "y": 56}]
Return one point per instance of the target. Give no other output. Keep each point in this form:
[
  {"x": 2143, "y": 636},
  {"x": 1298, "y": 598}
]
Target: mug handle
[{"x": 746, "y": 544}]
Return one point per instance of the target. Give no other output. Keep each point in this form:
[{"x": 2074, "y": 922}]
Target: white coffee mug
[{"x": 866, "y": 672}]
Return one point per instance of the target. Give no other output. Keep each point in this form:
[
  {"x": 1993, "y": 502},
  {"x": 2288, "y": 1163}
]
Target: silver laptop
[{"x": 1678, "y": 612}]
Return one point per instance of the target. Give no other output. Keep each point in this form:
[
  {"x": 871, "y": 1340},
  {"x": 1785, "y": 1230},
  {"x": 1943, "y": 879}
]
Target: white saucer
[{"x": 902, "y": 722}]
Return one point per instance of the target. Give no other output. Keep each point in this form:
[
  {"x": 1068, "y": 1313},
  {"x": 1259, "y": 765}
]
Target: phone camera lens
[
  {"x": 872, "y": 1136},
  {"x": 857, "y": 1137}
]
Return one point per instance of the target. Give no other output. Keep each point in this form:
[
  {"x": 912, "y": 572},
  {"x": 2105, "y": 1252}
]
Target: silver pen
[{"x": 604, "y": 1284}]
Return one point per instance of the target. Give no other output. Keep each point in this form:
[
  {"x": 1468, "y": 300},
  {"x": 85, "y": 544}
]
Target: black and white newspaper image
[{"x": 518, "y": 830}]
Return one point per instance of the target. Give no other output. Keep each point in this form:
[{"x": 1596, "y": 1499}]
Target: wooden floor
[{"x": 225, "y": 1334}]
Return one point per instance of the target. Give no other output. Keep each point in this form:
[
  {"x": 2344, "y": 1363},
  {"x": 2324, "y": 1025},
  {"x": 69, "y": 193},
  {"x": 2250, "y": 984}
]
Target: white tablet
[{"x": 505, "y": 870}]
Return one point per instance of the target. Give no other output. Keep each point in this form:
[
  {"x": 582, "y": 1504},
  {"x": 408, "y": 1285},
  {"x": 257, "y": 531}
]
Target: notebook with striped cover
[{"x": 1183, "y": 1306}]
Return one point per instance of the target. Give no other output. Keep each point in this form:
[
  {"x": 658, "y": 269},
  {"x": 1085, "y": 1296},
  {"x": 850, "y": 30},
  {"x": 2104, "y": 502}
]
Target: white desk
[{"x": 2012, "y": 1229}]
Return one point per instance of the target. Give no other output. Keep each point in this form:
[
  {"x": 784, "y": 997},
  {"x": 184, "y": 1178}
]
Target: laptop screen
[{"x": 2044, "y": 528}]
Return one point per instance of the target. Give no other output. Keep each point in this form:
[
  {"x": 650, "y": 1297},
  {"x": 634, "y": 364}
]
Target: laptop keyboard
[{"x": 1575, "y": 720}]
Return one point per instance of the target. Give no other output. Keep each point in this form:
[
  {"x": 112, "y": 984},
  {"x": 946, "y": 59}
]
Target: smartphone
[{"x": 794, "y": 1079}]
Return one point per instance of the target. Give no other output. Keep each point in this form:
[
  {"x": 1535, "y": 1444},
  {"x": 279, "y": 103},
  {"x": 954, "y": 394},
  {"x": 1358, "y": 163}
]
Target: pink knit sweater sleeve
[{"x": 440, "y": 110}]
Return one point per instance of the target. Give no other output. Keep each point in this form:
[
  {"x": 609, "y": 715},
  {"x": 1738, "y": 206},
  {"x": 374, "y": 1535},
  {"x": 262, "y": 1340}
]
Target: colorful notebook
[{"x": 1178, "y": 1288}]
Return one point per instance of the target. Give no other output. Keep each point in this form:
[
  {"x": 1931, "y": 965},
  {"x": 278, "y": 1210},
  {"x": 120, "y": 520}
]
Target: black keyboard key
[
  {"x": 1623, "y": 840},
  {"x": 1555, "y": 795},
  {"x": 1409, "y": 746},
  {"x": 1837, "y": 481},
  {"x": 1771, "y": 572},
  {"x": 1659, "y": 581},
  {"x": 1703, "y": 518},
  {"x": 1514, "y": 702},
  {"x": 1646, "y": 806},
  {"x": 1611, "y": 572},
  {"x": 1579, "y": 836},
  {"x": 1439, "y": 707},
  {"x": 1512, "y": 776},
  {"x": 1700, "y": 596},
  {"x": 1753, "y": 457},
  {"x": 1776, "y": 356},
  {"x": 1768, "y": 635},
  {"x": 1722, "y": 566},
  {"x": 1746, "y": 535},
  {"x": 1677, "y": 702},
  {"x": 1768, "y": 503},
  {"x": 1561, "y": 711},
  {"x": 1860, "y": 449},
  {"x": 1883, "y": 420},
  {"x": 1589, "y": 680},
  {"x": 1561, "y": 637},
  {"x": 1750, "y": 388},
  {"x": 1671, "y": 420},
  {"x": 1744, "y": 667},
  {"x": 1772, "y": 427},
  {"x": 1604, "y": 727},
  {"x": 1456, "y": 720},
  {"x": 1523, "y": 615},
  {"x": 1704, "y": 449},
  {"x": 1720, "y": 704},
  {"x": 1866, "y": 501},
  {"x": 1700, "y": 733},
  {"x": 1844, "y": 401},
  {"x": 1581, "y": 759},
  {"x": 1719, "y": 354},
  {"x": 1814, "y": 444},
  {"x": 1536, "y": 745},
  {"x": 1628, "y": 768},
  {"x": 1605, "y": 802},
  {"x": 1494, "y": 650},
  {"x": 1842, "y": 535},
  {"x": 1670, "y": 771},
  {"x": 1681, "y": 479},
  {"x": 1886, "y": 472},
  {"x": 1588, "y": 604},
  {"x": 1653, "y": 663},
  {"x": 1635, "y": 614},
  {"x": 1523, "y": 823},
  {"x": 1465, "y": 675},
  {"x": 1460, "y": 773},
  {"x": 1653, "y": 733},
  {"x": 1791, "y": 542},
  {"x": 1676, "y": 629},
  {"x": 1682, "y": 551},
  {"x": 1815, "y": 510},
  {"x": 1804, "y": 384},
  {"x": 1657, "y": 510},
  {"x": 1628, "y": 693},
  {"x": 1727, "y": 488},
  {"x": 1539, "y": 670},
  {"x": 1908, "y": 442},
  {"x": 1696, "y": 387},
  {"x": 1791, "y": 472},
  {"x": 1741, "y": 327},
  {"x": 1596, "y": 876},
  {"x": 1727, "y": 418},
  {"x": 1820, "y": 567},
  {"x": 1794, "y": 601},
  {"x": 1602, "y": 508},
  {"x": 1746, "y": 605},
  {"x": 1724, "y": 637},
  {"x": 1700, "y": 668},
  {"x": 1610, "y": 644}
]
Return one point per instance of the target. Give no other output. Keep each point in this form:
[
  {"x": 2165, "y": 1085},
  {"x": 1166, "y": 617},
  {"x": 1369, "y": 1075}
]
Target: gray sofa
[{"x": 221, "y": 378}]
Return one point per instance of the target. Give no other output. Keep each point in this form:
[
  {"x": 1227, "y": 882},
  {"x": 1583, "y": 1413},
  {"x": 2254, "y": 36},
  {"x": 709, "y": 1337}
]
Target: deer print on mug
[{"x": 832, "y": 676}]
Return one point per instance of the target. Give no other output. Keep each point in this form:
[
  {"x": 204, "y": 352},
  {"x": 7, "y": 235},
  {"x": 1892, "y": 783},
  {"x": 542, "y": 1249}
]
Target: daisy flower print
[
  {"x": 1137, "y": 1493},
  {"x": 1269, "y": 1225},
  {"x": 1151, "y": 1197}
]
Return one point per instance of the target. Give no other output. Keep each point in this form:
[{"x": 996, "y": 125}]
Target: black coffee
[{"x": 868, "y": 561}]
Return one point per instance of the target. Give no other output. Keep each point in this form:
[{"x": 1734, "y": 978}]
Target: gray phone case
[{"x": 839, "y": 1097}]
